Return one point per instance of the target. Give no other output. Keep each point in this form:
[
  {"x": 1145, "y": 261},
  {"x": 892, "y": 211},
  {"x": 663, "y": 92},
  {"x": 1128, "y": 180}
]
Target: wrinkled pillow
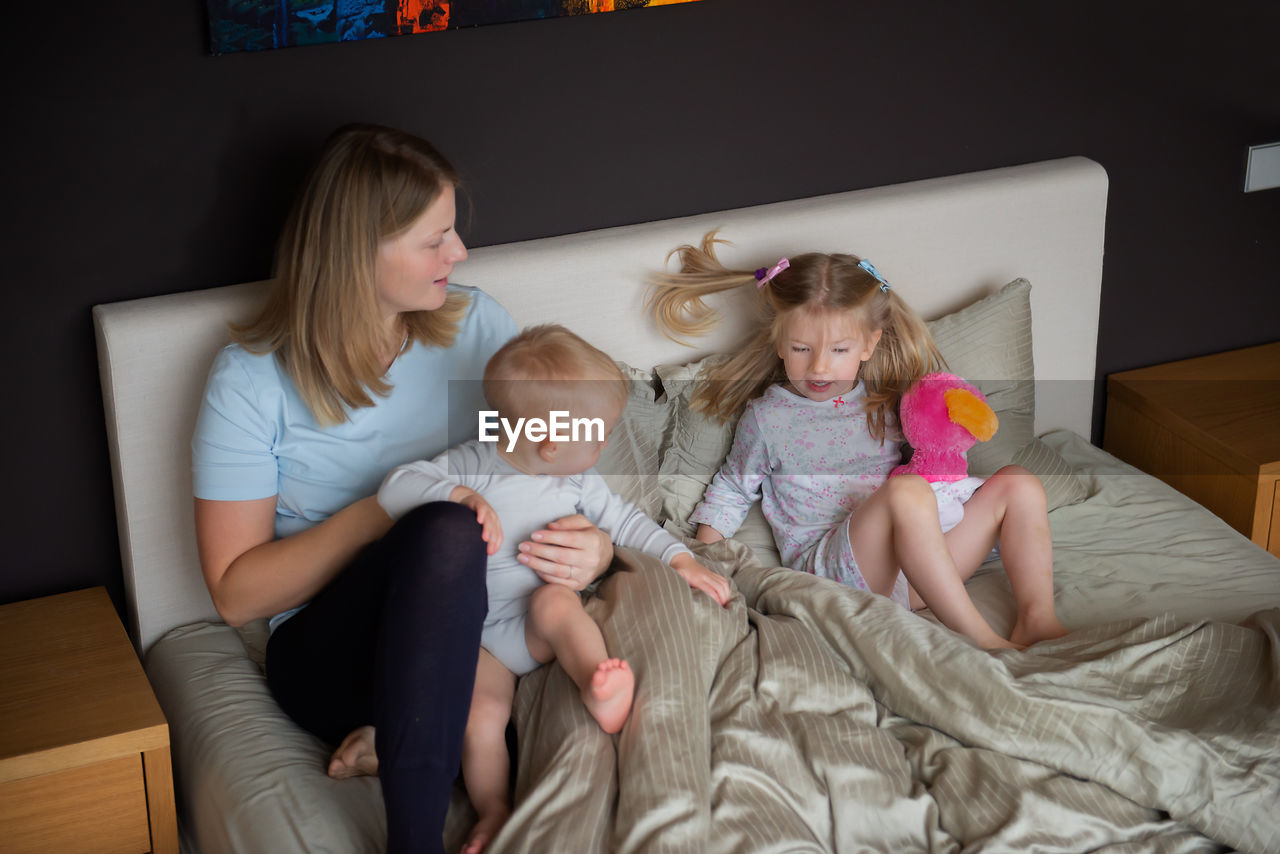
[
  {"x": 696, "y": 444},
  {"x": 1062, "y": 486},
  {"x": 630, "y": 462},
  {"x": 988, "y": 343}
]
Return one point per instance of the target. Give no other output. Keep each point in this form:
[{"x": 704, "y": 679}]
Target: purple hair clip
[{"x": 765, "y": 274}]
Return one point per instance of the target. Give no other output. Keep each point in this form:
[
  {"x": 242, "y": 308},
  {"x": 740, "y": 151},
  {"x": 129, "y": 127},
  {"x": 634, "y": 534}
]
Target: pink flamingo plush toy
[{"x": 942, "y": 417}]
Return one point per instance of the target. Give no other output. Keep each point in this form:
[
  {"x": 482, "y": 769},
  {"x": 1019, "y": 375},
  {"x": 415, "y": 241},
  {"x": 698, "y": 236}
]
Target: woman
[{"x": 344, "y": 375}]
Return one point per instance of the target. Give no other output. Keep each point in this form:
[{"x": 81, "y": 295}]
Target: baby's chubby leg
[
  {"x": 559, "y": 628},
  {"x": 485, "y": 764}
]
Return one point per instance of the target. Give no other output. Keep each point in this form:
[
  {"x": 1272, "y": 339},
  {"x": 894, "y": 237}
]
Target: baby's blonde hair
[
  {"x": 548, "y": 367},
  {"x": 814, "y": 282}
]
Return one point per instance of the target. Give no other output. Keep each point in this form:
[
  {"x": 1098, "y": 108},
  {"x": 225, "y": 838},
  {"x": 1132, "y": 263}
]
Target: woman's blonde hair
[
  {"x": 321, "y": 319},
  {"x": 814, "y": 282}
]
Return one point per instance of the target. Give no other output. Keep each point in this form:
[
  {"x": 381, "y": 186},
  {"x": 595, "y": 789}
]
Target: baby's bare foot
[
  {"x": 1031, "y": 629},
  {"x": 486, "y": 828},
  {"x": 356, "y": 756},
  {"x": 608, "y": 698}
]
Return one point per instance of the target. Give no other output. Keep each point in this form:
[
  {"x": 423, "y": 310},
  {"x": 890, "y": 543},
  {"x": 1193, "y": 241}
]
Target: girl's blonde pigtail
[
  {"x": 678, "y": 306},
  {"x": 677, "y": 298}
]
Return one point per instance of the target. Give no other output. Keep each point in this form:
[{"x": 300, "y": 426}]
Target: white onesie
[{"x": 524, "y": 503}]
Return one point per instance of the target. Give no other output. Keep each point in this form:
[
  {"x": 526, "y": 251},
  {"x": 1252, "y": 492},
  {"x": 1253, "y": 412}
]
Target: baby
[{"x": 564, "y": 398}]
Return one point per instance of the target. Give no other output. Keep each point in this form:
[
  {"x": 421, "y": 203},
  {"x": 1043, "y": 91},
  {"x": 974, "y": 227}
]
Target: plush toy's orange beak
[{"x": 971, "y": 412}]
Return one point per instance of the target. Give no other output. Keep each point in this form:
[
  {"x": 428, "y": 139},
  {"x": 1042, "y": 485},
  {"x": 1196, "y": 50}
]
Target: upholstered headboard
[{"x": 943, "y": 242}]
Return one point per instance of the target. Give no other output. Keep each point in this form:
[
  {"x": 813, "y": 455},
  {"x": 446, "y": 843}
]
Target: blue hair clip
[{"x": 871, "y": 268}]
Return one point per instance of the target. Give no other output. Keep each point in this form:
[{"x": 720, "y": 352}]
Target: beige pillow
[
  {"x": 987, "y": 342},
  {"x": 630, "y": 462},
  {"x": 696, "y": 446},
  {"x": 1061, "y": 484},
  {"x": 756, "y": 534}
]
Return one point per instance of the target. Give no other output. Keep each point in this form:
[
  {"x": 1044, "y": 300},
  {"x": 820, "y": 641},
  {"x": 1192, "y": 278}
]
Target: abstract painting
[{"x": 236, "y": 25}]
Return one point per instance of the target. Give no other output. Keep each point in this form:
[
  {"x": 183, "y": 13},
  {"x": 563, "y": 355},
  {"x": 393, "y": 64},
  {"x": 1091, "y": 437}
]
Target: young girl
[{"x": 818, "y": 385}]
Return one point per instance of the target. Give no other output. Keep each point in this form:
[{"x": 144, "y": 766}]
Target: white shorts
[{"x": 951, "y": 495}]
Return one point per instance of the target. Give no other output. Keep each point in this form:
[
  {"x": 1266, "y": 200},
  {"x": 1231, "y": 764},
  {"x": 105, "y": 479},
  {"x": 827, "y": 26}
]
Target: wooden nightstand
[
  {"x": 1209, "y": 427},
  {"x": 84, "y": 747}
]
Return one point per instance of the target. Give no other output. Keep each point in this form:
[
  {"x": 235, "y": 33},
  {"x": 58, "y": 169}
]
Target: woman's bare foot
[
  {"x": 1032, "y": 628},
  {"x": 608, "y": 697},
  {"x": 487, "y": 827},
  {"x": 356, "y": 756}
]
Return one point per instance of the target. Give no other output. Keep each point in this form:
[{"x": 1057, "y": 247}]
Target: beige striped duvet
[{"x": 810, "y": 717}]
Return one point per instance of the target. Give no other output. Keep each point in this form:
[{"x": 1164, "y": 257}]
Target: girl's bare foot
[
  {"x": 1031, "y": 628},
  {"x": 608, "y": 697},
  {"x": 356, "y": 755},
  {"x": 997, "y": 642},
  {"x": 487, "y": 827}
]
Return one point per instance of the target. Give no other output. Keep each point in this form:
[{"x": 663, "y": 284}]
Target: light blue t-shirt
[{"x": 255, "y": 437}]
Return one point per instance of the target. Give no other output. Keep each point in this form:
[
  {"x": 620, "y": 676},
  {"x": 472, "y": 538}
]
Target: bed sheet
[
  {"x": 1138, "y": 548},
  {"x": 810, "y": 717}
]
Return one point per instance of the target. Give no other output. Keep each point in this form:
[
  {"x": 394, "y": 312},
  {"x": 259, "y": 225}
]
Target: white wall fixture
[{"x": 1263, "y": 169}]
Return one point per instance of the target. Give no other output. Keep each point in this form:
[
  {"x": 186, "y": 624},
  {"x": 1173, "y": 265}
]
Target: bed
[{"x": 806, "y": 716}]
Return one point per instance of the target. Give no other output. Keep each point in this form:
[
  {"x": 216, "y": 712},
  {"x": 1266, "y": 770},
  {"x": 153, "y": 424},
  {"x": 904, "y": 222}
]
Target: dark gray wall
[{"x": 135, "y": 164}]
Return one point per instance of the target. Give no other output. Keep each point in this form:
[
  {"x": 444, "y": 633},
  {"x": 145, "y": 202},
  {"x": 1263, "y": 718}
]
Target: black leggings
[{"x": 393, "y": 642}]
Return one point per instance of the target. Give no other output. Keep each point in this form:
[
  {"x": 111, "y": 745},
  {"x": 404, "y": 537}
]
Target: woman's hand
[{"x": 571, "y": 552}]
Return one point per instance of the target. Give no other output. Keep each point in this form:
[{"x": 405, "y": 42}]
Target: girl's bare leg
[
  {"x": 485, "y": 765},
  {"x": 560, "y": 629},
  {"x": 898, "y": 527},
  {"x": 1011, "y": 507},
  {"x": 356, "y": 755}
]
